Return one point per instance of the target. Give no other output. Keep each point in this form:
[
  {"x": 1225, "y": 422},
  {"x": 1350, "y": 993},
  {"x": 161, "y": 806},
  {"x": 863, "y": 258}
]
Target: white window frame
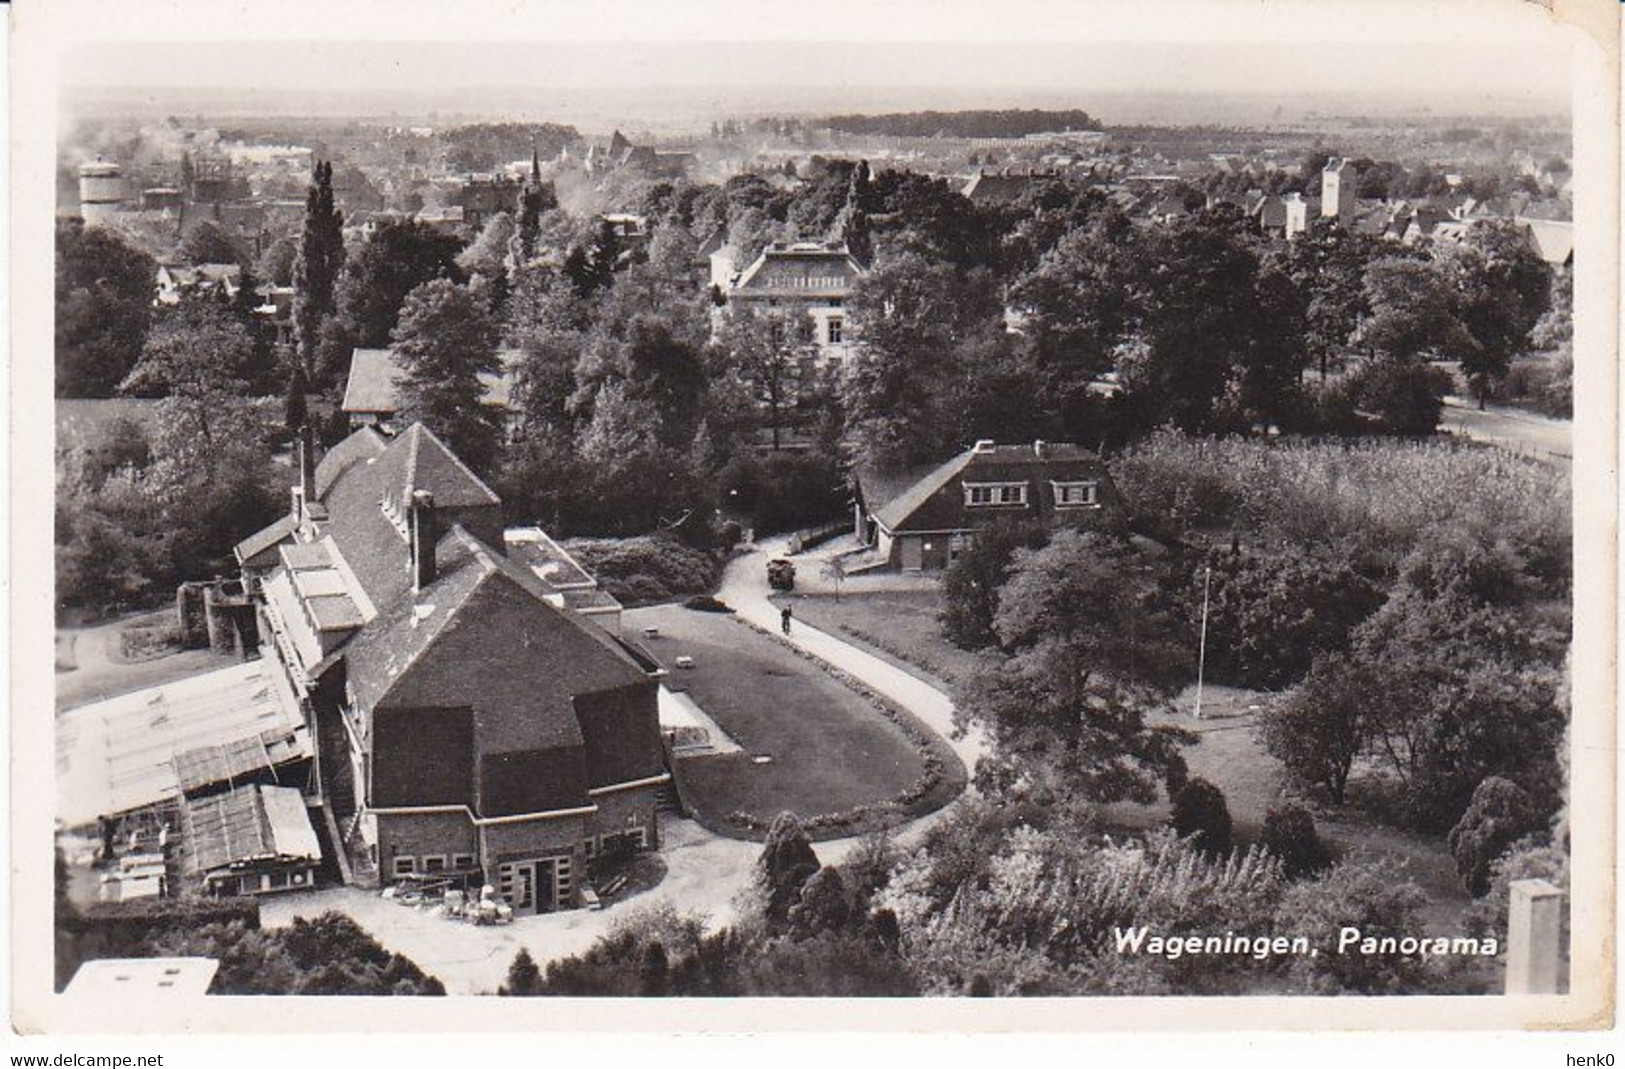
[
  {"x": 438, "y": 868},
  {"x": 1062, "y": 490},
  {"x": 834, "y": 329},
  {"x": 1000, "y": 495},
  {"x": 462, "y": 862},
  {"x": 411, "y": 866}
]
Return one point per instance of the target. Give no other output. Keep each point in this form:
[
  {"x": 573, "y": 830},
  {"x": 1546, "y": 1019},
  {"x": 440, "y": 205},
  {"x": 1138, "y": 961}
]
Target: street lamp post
[{"x": 1201, "y": 647}]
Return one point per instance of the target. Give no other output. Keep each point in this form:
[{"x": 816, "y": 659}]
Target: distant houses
[{"x": 803, "y": 279}]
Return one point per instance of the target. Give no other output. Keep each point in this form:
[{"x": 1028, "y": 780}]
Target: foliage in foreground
[{"x": 1373, "y": 500}]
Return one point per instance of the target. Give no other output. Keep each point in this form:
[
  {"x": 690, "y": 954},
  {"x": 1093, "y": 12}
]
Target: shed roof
[
  {"x": 247, "y": 824},
  {"x": 123, "y": 980},
  {"x": 120, "y": 754},
  {"x": 376, "y": 374}
]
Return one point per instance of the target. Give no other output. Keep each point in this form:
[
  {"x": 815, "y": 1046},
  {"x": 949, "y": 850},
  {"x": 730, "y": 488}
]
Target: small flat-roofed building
[
  {"x": 121, "y": 980},
  {"x": 568, "y": 584}
]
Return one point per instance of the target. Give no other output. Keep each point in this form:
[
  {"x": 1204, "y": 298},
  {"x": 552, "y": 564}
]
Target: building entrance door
[
  {"x": 913, "y": 555},
  {"x": 530, "y": 886}
]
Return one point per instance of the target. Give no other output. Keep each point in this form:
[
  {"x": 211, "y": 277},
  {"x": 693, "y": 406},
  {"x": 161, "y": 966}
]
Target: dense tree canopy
[
  {"x": 104, "y": 292},
  {"x": 445, "y": 342}
]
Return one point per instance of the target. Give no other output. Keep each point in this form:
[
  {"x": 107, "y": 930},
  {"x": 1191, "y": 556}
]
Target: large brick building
[{"x": 464, "y": 723}]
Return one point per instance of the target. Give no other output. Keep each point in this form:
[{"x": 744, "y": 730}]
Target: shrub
[
  {"x": 1270, "y": 615},
  {"x": 646, "y": 568},
  {"x": 1319, "y": 730},
  {"x": 1499, "y": 814},
  {"x": 1290, "y": 835},
  {"x": 1200, "y": 812},
  {"x": 1374, "y": 498},
  {"x": 970, "y": 586},
  {"x": 1372, "y": 897},
  {"x": 1404, "y": 396},
  {"x": 783, "y": 491},
  {"x": 524, "y": 978},
  {"x": 1532, "y": 858},
  {"x": 787, "y": 862},
  {"x": 706, "y": 603}
]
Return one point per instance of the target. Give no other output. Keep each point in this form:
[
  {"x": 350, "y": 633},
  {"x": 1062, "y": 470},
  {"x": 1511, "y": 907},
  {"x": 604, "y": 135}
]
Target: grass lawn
[
  {"x": 831, "y": 750},
  {"x": 1229, "y": 755},
  {"x": 900, "y": 627}
]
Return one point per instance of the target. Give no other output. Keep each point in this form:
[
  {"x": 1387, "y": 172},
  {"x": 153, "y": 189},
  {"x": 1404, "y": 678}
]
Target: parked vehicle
[{"x": 781, "y": 574}]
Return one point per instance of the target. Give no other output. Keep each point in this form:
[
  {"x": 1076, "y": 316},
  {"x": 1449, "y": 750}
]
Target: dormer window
[
  {"x": 992, "y": 495},
  {"x": 1076, "y": 495}
]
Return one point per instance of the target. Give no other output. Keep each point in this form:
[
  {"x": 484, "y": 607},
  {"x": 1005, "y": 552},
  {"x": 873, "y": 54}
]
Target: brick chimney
[
  {"x": 425, "y": 534},
  {"x": 306, "y": 450}
]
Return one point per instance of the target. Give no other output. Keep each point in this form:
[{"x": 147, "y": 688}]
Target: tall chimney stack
[
  {"x": 307, "y": 464},
  {"x": 424, "y": 537}
]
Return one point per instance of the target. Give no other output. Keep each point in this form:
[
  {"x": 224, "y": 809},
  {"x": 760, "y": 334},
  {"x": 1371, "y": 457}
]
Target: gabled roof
[
  {"x": 803, "y": 268},
  {"x": 373, "y": 383},
  {"x": 253, "y": 823},
  {"x": 121, "y": 753},
  {"x": 374, "y": 547},
  {"x": 909, "y": 510},
  {"x": 431, "y": 466},
  {"x": 364, "y": 444},
  {"x": 266, "y": 538},
  {"x": 1552, "y": 239},
  {"x": 484, "y": 637},
  {"x": 904, "y": 505},
  {"x": 376, "y": 374}
]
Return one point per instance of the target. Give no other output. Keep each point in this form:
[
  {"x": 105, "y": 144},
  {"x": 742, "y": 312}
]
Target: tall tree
[
  {"x": 316, "y": 268},
  {"x": 1502, "y": 289},
  {"x": 1091, "y": 652},
  {"x": 915, "y": 313},
  {"x": 1196, "y": 322},
  {"x": 399, "y": 257},
  {"x": 445, "y": 343},
  {"x": 767, "y": 351},
  {"x": 104, "y": 290}
]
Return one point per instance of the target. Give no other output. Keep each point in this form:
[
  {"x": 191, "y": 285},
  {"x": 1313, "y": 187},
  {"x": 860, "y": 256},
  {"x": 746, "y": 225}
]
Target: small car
[{"x": 781, "y": 574}]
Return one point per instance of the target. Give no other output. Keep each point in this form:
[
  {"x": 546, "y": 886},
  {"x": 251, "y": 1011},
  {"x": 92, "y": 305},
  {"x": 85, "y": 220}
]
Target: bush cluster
[{"x": 648, "y": 568}]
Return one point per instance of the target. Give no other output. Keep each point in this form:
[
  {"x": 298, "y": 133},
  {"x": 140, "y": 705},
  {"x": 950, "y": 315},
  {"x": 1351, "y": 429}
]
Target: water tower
[{"x": 101, "y": 190}]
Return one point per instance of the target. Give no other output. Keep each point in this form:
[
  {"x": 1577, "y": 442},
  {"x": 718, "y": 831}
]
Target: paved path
[
  {"x": 1510, "y": 428},
  {"x": 745, "y": 589},
  {"x": 102, "y": 671}
]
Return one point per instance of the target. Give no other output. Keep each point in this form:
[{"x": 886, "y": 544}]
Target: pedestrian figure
[{"x": 784, "y": 619}]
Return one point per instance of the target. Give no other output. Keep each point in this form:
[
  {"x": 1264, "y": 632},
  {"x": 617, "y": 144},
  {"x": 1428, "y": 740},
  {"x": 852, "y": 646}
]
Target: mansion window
[
  {"x": 833, "y": 330},
  {"x": 1076, "y": 494},
  {"x": 405, "y": 865},
  {"x": 983, "y": 495}
]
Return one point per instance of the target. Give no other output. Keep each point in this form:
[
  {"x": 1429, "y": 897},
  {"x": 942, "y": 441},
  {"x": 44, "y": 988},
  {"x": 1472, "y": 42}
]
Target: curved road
[
  {"x": 705, "y": 871},
  {"x": 745, "y": 589}
]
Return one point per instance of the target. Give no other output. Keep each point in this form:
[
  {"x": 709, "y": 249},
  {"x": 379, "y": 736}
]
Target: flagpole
[{"x": 1201, "y": 649}]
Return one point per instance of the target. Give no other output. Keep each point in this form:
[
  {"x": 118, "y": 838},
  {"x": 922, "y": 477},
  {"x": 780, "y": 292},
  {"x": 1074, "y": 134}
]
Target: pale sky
[{"x": 1489, "y": 54}]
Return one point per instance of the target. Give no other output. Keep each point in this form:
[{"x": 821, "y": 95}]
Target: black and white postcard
[{"x": 1076, "y": 515}]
